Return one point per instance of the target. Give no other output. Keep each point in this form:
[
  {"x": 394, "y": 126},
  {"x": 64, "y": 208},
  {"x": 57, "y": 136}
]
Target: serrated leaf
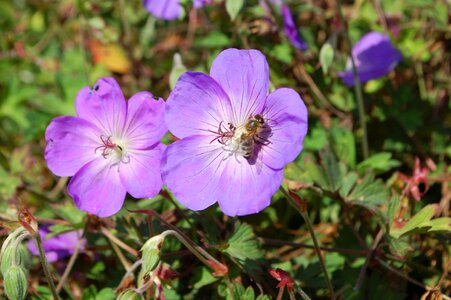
[
  {"x": 439, "y": 225},
  {"x": 399, "y": 247},
  {"x": 326, "y": 57},
  {"x": 378, "y": 163},
  {"x": 233, "y": 7},
  {"x": 369, "y": 192},
  {"x": 202, "y": 277},
  {"x": 243, "y": 244},
  {"x": 348, "y": 183},
  {"x": 393, "y": 207},
  {"x": 421, "y": 222},
  {"x": 249, "y": 294},
  {"x": 343, "y": 144}
]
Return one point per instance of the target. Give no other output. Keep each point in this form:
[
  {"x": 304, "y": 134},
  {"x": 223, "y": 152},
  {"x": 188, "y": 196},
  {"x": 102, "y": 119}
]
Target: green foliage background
[{"x": 49, "y": 50}]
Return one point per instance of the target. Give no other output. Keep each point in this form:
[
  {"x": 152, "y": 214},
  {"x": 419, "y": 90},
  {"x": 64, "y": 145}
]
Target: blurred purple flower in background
[
  {"x": 200, "y": 3},
  {"x": 374, "y": 57},
  {"x": 291, "y": 31},
  {"x": 170, "y": 9},
  {"x": 235, "y": 138},
  {"x": 164, "y": 9},
  {"x": 111, "y": 147},
  {"x": 59, "y": 246}
]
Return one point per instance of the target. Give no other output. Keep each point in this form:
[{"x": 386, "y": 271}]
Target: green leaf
[
  {"x": 369, "y": 192},
  {"x": 399, "y": 247},
  {"x": 326, "y": 57},
  {"x": 378, "y": 163},
  {"x": 202, "y": 277},
  {"x": 243, "y": 244},
  {"x": 233, "y": 7},
  {"x": 393, "y": 208},
  {"x": 248, "y": 294},
  {"x": 178, "y": 68},
  {"x": 421, "y": 222},
  {"x": 343, "y": 143},
  {"x": 439, "y": 225},
  {"x": 106, "y": 294},
  {"x": 71, "y": 214},
  {"x": 282, "y": 52},
  {"x": 213, "y": 40}
]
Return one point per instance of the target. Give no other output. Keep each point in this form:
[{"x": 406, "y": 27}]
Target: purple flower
[
  {"x": 111, "y": 147},
  {"x": 169, "y": 9},
  {"x": 201, "y": 3},
  {"x": 59, "y": 246},
  {"x": 374, "y": 57},
  {"x": 164, "y": 9},
  {"x": 291, "y": 30},
  {"x": 235, "y": 138}
]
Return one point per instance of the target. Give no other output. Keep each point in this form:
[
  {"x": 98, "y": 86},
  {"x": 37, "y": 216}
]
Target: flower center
[
  {"x": 114, "y": 150},
  {"x": 245, "y": 139}
]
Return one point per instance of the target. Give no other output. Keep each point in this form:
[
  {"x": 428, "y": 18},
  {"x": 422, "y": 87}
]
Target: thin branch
[
  {"x": 118, "y": 242},
  {"x": 315, "y": 241},
  {"x": 45, "y": 266},
  {"x": 357, "y": 87},
  {"x": 369, "y": 256}
]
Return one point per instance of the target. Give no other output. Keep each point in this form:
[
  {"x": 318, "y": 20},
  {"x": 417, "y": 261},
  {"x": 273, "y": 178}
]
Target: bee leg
[{"x": 262, "y": 141}]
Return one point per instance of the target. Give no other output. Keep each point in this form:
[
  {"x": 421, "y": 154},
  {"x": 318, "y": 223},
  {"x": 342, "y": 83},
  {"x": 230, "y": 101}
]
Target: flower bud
[
  {"x": 6, "y": 260},
  {"x": 15, "y": 283},
  {"x": 130, "y": 294},
  {"x": 151, "y": 252}
]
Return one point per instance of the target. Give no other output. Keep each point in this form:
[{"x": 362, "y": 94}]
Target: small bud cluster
[{"x": 13, "y": 259}]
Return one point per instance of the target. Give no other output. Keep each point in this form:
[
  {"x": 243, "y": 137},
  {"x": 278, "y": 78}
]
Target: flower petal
[
  {"x": 291, "y": 30},
  {"x": 104, "y": 106},
  {"x": 244, "y": 76},
  {"x": 197, "y": 104},
  {"x": 191, "y": 169},
  {"x": 374, "y": 56},
  {"x": 166, "y": 10},
  {"x": 141, "y": 175},
  {"x": 97, "y": 188},
  {"x": 247, "y": 188},
  {"x": 71, "y": 143},
  {"x": 286, "y": 116},
  {"x": 145, "y": 125}
]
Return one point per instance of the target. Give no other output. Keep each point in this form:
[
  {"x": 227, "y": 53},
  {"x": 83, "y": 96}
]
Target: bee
[{"x": 253, "y": 129}]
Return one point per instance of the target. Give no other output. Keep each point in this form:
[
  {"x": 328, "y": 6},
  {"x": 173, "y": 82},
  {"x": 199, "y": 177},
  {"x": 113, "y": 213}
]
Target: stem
[
  {"x": 303, "y": 295},
  {"x": 130, "y": 271},
  {"x": 45, "y": 266},
  {"x": 188, "y": 243},
  {"x": 71, "y": 262},
  {"x": 315, "y": 241},
  {"x": 200, "y": 253},
  {"x": 118, "y": 242},
  {"x": 357, "y": 86},
  {"x": 370, "y": 254},
  {"x": 274, "y": 242}
]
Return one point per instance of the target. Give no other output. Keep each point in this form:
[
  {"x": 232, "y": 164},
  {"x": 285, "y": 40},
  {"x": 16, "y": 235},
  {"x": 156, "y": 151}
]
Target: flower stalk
[
  {"x": 45, "y": 266},
  {"x": 302, "y": 209},
  {"x": 357, "y": 86}
]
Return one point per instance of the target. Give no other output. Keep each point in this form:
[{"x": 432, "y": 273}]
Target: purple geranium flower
[
  {"x": 59, "y": 246},
  {"x": 169, "y": 9},
  {"x": 235, "y": 138},
  {"x": 374, "y": 57},
  {"x": 111, "y": 147},
  {"x": 291, "y": 30},
  {"x": 201, "y": 3}
]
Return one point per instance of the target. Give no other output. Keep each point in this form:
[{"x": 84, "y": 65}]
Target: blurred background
[{"x": 49, "y": 50}]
